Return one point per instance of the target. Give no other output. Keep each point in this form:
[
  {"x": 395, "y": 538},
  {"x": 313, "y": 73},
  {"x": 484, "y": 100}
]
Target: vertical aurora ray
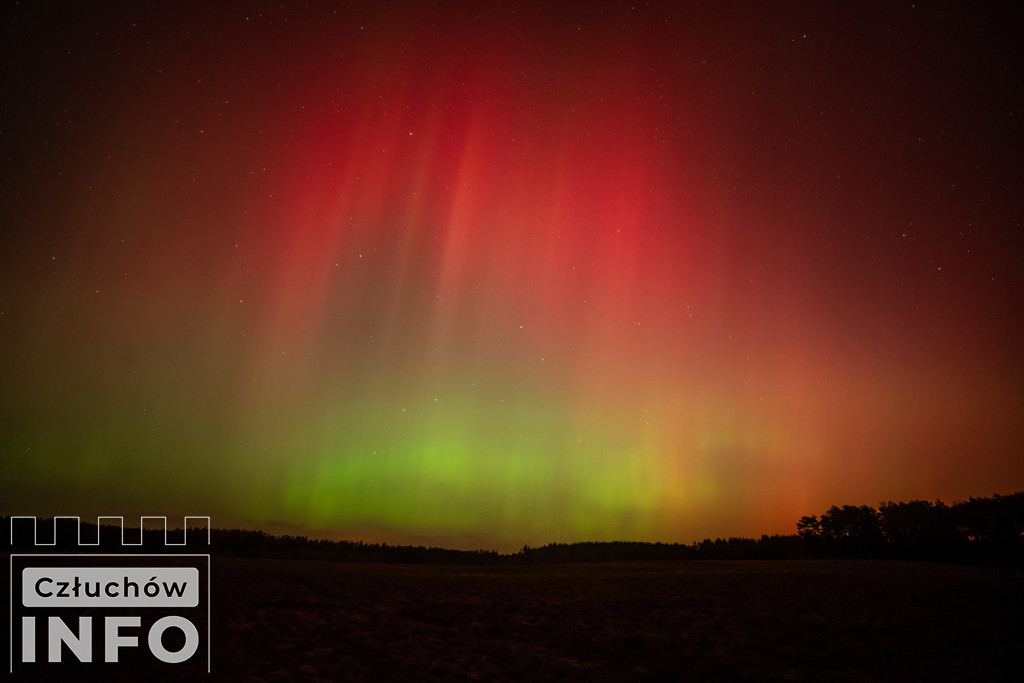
[{"x": 516, "y": 277}]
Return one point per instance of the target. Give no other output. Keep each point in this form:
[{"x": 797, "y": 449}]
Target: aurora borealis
[{"x": 482, "y": 275}]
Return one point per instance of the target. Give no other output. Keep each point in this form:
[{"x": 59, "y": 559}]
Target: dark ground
[{"x": 697, "y": 620}]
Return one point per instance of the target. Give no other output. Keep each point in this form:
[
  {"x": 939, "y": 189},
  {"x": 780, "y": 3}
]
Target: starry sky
[{"x": 487, "y": 274}]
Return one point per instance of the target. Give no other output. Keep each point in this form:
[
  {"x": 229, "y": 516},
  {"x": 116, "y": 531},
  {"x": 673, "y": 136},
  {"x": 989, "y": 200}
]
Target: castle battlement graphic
[{"x": 22, "y": 522}]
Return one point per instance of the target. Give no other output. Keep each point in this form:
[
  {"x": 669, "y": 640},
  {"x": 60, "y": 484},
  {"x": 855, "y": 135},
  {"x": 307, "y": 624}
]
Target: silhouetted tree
[
  {"x": 809, "y": 527},
  {"x": 999, "y": 518},
  {"x": 919, "y": 528},
  {"x": 852, "y": 530}
]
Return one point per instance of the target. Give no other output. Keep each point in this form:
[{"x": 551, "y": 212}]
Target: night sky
[{"x": 481, "y": 275}]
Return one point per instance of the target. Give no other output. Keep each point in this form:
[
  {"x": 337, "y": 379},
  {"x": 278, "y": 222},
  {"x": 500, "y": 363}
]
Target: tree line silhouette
[
  {"x": 978, "y": 530},
  {"x": 988, "y": 529}
]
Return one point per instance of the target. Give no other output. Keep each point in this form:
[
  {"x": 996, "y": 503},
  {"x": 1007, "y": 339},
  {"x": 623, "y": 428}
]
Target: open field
[
  {"x": 791, "y": 620},
  {"x": 741, "y": 620}
]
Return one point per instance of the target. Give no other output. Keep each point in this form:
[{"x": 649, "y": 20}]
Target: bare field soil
[
  {"x": 813, "y": 621},
  {"x": 276, "y": 620}
]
